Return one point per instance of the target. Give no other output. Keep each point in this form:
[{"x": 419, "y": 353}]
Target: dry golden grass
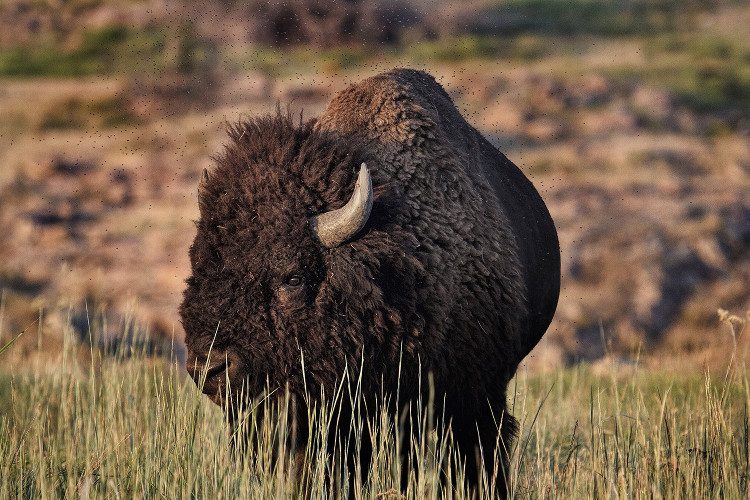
[{"x": 128, "y": 425}]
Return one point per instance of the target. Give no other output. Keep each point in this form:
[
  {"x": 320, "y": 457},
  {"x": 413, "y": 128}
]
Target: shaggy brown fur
[{"x": 457, "y": 270}]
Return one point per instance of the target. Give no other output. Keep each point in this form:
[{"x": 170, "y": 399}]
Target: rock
[
  {"x": 615, "y": 118},
  {"x": 735, "y": 235},
  {"x": 653, "y": 106},
  {"x": 68, "y": 168},
  {"x": 682, "y": 271},
  {"x": 546, "y": 129},
  {"x": 301, "y": 92},
  {"x": 592, "y": 90},
  {"x": 250, "y": 86},
  {"x": 682, "y": 163},
  {"x": 590, "y": 343},
  {"x": 118, "y": 335}
]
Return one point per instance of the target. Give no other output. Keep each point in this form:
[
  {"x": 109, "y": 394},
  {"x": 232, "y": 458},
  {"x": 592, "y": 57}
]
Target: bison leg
[{"x": 485, "y": 438}]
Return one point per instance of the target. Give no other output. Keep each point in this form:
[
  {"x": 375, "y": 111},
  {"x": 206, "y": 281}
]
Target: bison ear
[{"x": 337, "y": 226}]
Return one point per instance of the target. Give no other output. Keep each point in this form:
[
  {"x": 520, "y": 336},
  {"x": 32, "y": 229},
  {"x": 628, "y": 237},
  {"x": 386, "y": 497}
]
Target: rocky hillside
[{"x": 639, "y": 145}]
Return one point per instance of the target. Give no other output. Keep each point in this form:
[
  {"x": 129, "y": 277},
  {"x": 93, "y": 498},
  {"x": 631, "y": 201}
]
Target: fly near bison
[{"x": 387, "y": 233}]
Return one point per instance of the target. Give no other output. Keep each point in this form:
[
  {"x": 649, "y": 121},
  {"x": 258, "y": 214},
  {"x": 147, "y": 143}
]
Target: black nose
[{"x": 210, "y": 371}]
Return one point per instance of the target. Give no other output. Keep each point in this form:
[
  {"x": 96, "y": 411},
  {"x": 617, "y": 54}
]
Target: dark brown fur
[{"x": 456, "y": 272}]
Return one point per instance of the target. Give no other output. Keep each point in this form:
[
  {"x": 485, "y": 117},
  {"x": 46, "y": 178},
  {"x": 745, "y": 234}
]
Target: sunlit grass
[{"x": 127, "y": 426}]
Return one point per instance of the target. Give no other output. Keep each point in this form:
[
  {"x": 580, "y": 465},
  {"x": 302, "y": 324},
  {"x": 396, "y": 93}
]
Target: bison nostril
[
  {"x": 202, "y": 369},
  {"x": 217, "y": 369}
]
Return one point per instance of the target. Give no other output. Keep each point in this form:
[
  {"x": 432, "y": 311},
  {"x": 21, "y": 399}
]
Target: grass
[
  {"x": 75, "y": 113},
  {"x": 714, "y": 75},
  {"x": 101, "y": 51},
  {"x": 113, "y": 49},
  {"x": 708, "y": 75},
  {"x": 595, "y": 17},
  {"x": 520, "y": 48},
  {"x": 129, "y": 426},
  {"x": 293, "y": 60}
]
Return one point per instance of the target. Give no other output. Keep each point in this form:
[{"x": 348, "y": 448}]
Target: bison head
[{"x": 292, "y": 269}]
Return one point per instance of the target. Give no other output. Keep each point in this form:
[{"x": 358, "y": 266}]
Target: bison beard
[{"x": 455, "y": 270}]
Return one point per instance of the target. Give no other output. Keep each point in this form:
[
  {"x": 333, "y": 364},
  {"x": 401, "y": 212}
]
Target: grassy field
[
  {"x": 630, "y": 118},
  {"x": 127, "y": 426}
]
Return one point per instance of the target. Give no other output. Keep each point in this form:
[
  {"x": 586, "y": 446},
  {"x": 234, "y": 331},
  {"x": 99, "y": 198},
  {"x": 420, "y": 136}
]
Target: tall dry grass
[{"x": 126, "y": 425}]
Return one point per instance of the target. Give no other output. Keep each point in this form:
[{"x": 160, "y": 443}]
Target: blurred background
[{"x": 631, "y": 117}]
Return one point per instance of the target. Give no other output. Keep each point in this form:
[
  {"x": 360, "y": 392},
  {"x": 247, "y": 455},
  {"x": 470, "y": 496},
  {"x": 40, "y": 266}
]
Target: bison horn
[
  {"x": 335, "y": 227},
  {"x": 203, "y": 181}
]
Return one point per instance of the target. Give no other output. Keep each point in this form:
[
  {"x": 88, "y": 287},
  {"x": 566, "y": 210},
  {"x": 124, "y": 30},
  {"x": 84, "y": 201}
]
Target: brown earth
[
  {"x": 654, "y": 226},
  {"x": 98, "y": 179}
]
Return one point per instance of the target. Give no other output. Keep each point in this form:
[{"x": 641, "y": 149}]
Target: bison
[{"x": 387, "y": 233}]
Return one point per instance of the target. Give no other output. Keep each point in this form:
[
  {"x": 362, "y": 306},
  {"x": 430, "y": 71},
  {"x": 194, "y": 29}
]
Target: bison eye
[{"x": 294, "y": 281}]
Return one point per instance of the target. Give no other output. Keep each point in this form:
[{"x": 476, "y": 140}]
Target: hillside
[{"x": 637, "y": 136}]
